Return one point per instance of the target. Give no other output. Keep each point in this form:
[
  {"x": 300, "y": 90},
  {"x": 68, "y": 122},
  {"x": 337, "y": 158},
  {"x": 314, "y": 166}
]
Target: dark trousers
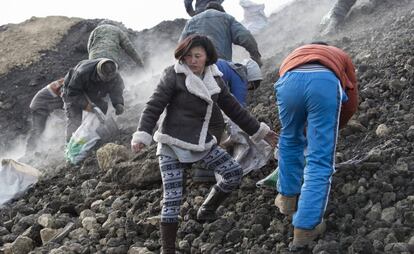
[
  {"x": 39, "y": 118},
  {"x": 341, "y": 8},
  {"x": 73, "y": 114}
]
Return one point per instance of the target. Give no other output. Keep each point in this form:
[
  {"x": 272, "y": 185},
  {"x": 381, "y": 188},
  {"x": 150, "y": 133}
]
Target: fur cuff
[
  {"x": 261, "y": 133},
  {"x": 141, "y": 137}
]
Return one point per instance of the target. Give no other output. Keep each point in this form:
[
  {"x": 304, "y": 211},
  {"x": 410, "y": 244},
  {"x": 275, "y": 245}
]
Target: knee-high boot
[
  {"x": 207, "y": 211},
  {"x": 168, "y": 235}
]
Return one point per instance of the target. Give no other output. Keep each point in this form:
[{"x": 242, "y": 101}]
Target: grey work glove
[{"x": 119, "y": 109}]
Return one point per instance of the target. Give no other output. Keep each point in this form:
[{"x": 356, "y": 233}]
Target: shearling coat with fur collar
[{"x": 189, "y": 103}]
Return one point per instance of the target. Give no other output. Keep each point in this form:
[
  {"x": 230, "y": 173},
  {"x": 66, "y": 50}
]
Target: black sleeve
[
  {"x": 74, "y": 88},
  {"x": 158, "y": 101},
  {"x": 116, "y": 94}
]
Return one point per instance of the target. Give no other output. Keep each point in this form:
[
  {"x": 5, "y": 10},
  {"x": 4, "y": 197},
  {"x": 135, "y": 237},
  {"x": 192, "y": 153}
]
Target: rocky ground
[{"x": 112, "y": 207}]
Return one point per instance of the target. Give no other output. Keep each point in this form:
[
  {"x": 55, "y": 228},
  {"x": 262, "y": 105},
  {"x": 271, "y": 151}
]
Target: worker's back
[
  {"x": 217, "y": 26},
  {"x": 105, "y": 41}
]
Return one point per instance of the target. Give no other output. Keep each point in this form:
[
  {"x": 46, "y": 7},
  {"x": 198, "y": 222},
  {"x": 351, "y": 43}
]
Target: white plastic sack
[
  {"x": 83, "y": 139},
  {"x": 250, "y": 155},
  {"x": 15, "y": 178},
  {"x": 254, "y": 17}
]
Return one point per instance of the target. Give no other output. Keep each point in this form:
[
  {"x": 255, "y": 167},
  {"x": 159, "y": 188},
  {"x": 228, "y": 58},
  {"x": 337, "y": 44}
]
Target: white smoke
[{"x": 140, "y": 85}]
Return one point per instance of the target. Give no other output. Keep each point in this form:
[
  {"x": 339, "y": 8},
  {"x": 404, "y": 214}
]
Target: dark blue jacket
[
  {"x": 223, "y": 30},
  {"x": 236, "y": 84}
]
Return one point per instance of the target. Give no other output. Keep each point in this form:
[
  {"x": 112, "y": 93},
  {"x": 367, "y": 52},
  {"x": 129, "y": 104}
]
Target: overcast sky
[{"x": 135, "y": 14}]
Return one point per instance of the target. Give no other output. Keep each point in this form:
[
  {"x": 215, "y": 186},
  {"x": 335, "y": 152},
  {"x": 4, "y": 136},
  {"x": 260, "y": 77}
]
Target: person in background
[
  {"x": 189, "y": 92},
  {"x": 91, "y": 80},
  {"x": 108, "y": 40},
  {"x": 42, "y": 105},
  {"x": 200, "y": 6},
  {"x": 317, "y": 92},
  {"x": 240, "y": 77},
  {"x": 337, "y": 15},
  {"x": 223, "y": 30}
]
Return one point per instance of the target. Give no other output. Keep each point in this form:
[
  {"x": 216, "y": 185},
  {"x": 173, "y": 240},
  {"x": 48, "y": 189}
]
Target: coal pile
[{"x": 370, "y": 209}]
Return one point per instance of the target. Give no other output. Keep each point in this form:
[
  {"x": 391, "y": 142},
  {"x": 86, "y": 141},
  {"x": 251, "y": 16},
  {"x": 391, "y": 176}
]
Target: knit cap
[{"x": 106, "y": 69}]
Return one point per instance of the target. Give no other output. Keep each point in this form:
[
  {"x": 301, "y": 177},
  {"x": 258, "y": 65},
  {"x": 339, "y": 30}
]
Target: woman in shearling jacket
[{"x": 192, "y": 92}]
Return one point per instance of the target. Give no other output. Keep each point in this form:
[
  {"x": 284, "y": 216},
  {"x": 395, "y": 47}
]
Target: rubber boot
[
  {"x": 303, "y": 238},
  {"x": 168, "y": 235},
  {"x": 207, "y": 211},
  {"x": 286, "y": 205}
]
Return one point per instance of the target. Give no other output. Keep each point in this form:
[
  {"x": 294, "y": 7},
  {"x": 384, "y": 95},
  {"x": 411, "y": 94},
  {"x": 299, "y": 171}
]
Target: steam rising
[{"x": 157, "y": 46}]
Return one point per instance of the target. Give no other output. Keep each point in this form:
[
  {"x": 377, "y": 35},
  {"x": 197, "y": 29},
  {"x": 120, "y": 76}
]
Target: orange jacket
[{"x": 337, "y": 61}]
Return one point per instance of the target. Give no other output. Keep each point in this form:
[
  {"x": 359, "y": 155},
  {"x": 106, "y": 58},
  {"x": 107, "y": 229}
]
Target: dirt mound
[
  {"x": 371, "y": 204},
  {"x": 63, "y": 46},
  {"x": 22, "y": 44}
]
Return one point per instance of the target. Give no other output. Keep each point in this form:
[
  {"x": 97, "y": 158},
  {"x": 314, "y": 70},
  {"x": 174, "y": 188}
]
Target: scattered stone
[
  {"x": 86, "y": 213},
  {"x": 140, "y": 250},
  {"x": 89, "y": 223},
  {"x": 46, "y": 220},
  {"x": 410, "y": 133},
  {"x": 48, "y": 233},
  {"x": 382, "y": 130},
  {"x": 22, "y": 245},
  {"x": 389, "y": 214}
]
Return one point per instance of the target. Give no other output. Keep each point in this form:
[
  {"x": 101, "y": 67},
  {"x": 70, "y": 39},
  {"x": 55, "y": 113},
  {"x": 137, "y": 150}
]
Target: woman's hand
[
  {"x": 137, "y": 147},
  {"x": 271, "y": 138}
]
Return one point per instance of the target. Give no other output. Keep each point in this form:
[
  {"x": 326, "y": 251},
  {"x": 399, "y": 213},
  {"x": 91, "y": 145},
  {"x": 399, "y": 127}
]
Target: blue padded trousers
[{"x": 308, "y": 101}]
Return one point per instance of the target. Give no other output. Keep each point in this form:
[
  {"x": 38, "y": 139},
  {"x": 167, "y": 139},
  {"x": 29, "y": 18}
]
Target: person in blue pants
[{"x": 310, "y": 95}]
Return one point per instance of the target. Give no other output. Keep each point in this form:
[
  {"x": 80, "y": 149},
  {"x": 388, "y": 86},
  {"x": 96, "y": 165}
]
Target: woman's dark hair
[{"x": 196, "y": 41}]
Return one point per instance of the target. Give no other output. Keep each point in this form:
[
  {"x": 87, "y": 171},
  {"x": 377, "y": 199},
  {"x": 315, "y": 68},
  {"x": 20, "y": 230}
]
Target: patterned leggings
[{"x": 225, "y": 167}]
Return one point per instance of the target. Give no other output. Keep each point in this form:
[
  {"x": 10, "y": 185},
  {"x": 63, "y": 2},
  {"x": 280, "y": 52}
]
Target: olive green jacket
[{"x": 107, "y": 41}]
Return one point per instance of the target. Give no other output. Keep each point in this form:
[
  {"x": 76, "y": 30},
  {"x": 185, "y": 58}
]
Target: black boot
[
  {"x": 207, "y": 211},
  {"x": 168, "y": 235}
]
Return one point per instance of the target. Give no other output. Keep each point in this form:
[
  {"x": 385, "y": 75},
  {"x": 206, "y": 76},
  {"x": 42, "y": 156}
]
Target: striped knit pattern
[
  {"x": 227, "y": 170},
  {"x": 172, "y": 172},
  {"x": 228, "y": 174}
]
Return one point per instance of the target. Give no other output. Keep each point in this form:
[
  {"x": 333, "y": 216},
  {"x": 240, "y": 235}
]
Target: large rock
[
  {"x": 111, "y": 154},
  {"x": 142, "y": 171}
]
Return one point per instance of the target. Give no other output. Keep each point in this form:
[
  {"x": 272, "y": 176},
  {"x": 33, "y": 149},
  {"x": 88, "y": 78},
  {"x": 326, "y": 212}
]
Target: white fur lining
[
  {"x": 203, "y": 89},
  {"x": 261, "y": 133},
  {"x": 141, "y": 137},
  {"x": 167, "y": 139}
]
